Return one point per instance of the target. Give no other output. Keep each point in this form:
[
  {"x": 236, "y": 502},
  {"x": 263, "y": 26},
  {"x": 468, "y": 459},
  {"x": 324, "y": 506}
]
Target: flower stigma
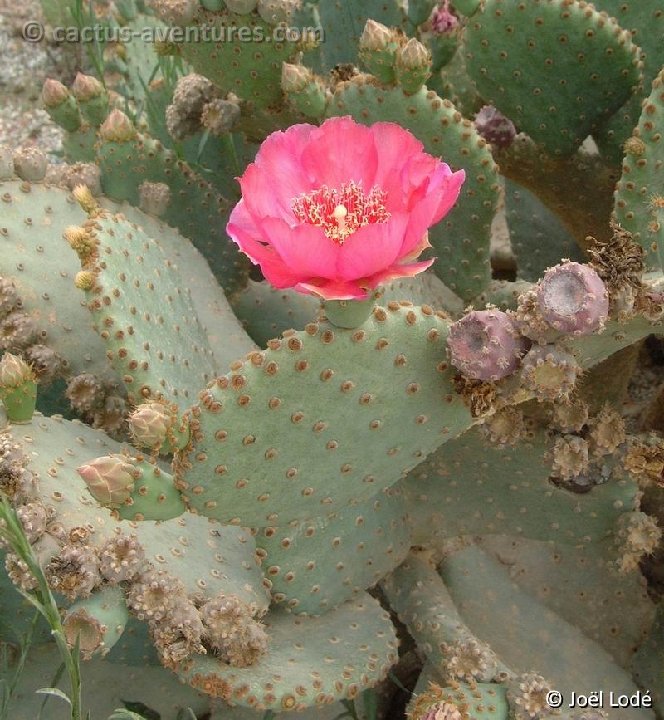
[{"x": 339, "y": 213}]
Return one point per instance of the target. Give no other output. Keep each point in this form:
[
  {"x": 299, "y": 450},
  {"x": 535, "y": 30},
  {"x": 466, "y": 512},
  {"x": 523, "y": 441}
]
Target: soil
[{"x": 24, "y": 67}]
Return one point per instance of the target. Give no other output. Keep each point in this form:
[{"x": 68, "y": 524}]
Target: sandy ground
[{"x": 23, "y": 68}]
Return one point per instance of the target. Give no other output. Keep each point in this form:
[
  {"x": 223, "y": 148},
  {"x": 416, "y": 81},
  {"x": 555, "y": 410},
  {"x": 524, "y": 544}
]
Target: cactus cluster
[{"x": 252, "y": 499}]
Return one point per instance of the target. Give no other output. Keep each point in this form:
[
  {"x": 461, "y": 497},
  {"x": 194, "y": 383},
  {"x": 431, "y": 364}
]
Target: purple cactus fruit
[
  {"x": 485, "y": 345},
  {"x": 573, "y": 299},
  {"x": 494, "y": 127}
]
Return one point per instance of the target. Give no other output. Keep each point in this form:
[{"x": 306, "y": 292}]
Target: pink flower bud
[{"x": 110, "y": 479}]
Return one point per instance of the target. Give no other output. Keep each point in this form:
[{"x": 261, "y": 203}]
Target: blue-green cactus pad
[
  {"x": 556, "y": 68},
  {"x": 315, "y": 565},
  {"x": 322, "y": 418},
  {"x": 310, "y": 660}
]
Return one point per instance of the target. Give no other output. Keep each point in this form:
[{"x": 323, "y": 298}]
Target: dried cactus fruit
[
  {"x": 550, "y": 373},
  {"x": 570, "y": 457}
]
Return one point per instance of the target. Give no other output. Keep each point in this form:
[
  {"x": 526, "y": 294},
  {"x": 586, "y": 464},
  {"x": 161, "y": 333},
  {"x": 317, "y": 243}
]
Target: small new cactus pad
[
  {"x": 311, "y": 661},
  {"x": 556, "y": 68},
  {"x": 321, "y": 418},
  {"x": 485, "y": 345}
]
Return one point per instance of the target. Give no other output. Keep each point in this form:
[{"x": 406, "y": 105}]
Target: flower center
[{"x": 341, "y": 212}]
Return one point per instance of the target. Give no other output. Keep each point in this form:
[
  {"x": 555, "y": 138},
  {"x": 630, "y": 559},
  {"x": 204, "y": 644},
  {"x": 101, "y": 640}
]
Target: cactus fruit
[
  {"x": 495, "y": 127},
  {"x": 550, "y": 373},
  {"x": 485, "y": 345},
  {"x": 573, "y": 299}
]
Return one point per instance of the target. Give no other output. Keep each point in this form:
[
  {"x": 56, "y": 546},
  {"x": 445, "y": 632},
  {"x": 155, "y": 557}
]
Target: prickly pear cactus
[{"x": 330, "y": 365}]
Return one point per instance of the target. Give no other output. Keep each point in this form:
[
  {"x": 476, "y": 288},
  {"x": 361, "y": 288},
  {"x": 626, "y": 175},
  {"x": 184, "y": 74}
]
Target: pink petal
[
  {"x": 397, "y": 271},
  {"x": 244, "y": 232},
  {"x": 417, "y": 250},
  {"x": 277, "y": 175},
  {"x": 371, "y": 248},
  {"x": 449, "y": 188},
  {"x": 304, "y": 249},
  {"x": 339, "y": 151},
  {"x": 396, "y": 147},
  {"x": 332, "y": 290},
  {"x": 442, "y": 193}
]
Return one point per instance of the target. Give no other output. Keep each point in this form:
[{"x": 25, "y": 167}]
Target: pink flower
[{"x": 337, "y": 210}]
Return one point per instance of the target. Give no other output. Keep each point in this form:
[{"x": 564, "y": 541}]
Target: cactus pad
[
  {"x": 310, "y": 424},
  {"x": 311, "y": 661},
  {"x": 556, "y": 68}
]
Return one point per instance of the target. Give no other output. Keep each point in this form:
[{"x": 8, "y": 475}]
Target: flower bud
[
  {"x": 413, "y": 65},
  {"x": 110, "y": 479},
  {"x": 18, "y": 388},
  {"x": 150, "y": 424},
  {"x": 442, "y": 19},
  {"x": 305, "y": 91},
  {"x": 14, "y": 371},
  {"x": 86, "y": 87},
  {"x": 117, "y": 128},
  {"x": 54, "y": 93},
  {"x": 375, "y": 36},
  {"x": 294, "y": 78},
  {"x": 378, "y": 47}
]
